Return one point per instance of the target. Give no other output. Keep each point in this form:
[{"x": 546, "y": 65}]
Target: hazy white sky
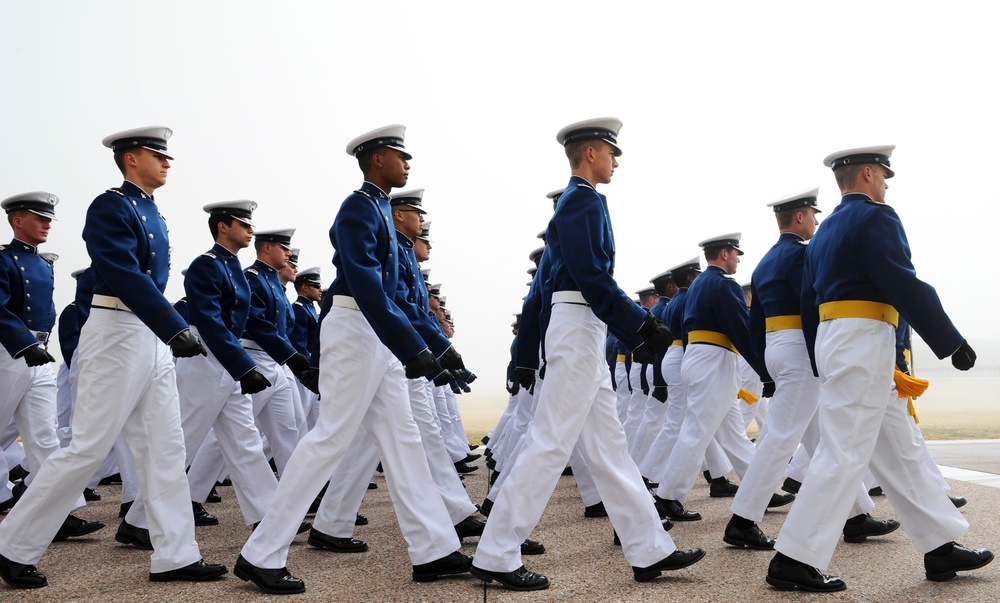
[{"x": 726, "y": 106}]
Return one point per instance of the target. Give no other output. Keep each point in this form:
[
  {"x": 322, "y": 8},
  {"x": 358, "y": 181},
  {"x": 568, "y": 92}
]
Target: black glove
[
  {"x": 513, "y": 388},
  {"x": 421, "y": 365},
  {"x": 186, "y": 344},
  {"x": 466, "y": 388},
  {"x": 963, "y": 359},
  {"x": 36, "y": 355},
  {"x": 310, "y": 379},
  {"x": 643, "y": 355},
  {"x": 468, "y": 376},
  {"x": 298, "y": 363},
  {"x": 660, "y": 393},
  {"x": 451, "y": 359},
  {"x": 655, "y": 334},
  {"x": 524, "y": 376},
  {"x": 442, "y": 378},
  {"x": 253, "y": 381},
  {"x": 768, "y": 389}
]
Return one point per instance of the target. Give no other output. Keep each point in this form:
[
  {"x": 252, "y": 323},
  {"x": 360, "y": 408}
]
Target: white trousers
[
  {"x": 861, "y": 425},
  {"x": 576, "y": 406},
  {"x": 711, "y": 376},
  {"x": 127, "y": 386},
  {"x": 361, "y": 383},
  {"x": 653, "y": 415},
  {"x": 211, "y": 400},
  {"x": 339, "y": 508},
  {"x": 28, "y": 396}
]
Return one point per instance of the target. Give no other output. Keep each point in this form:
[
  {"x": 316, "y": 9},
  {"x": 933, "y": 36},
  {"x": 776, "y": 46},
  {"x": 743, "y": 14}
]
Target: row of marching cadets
[
  {"x": 174, "y": 398},
  {"x": 760, "y": 352}
]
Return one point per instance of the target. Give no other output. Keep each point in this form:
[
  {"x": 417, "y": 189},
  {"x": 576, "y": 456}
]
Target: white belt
[
  {"x": 345, "y": 301},
  {"x": 568, "y": 297},
  {"x": 250, "y": 344},
  {"x": 106, "y": 302}
]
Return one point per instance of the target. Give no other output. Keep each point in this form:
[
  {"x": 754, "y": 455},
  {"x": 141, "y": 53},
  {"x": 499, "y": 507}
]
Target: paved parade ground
[{"x": 581, "y": 561}]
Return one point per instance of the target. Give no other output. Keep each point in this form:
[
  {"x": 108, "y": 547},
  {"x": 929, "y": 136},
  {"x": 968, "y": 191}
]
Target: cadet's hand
[
  {"x": 655, "y": 334},
  {"x": 310, "y": 379},
  {"x": 964, "y": 357},
  {"x": 468, "y": 376},
  {"x": 186, "y": 344},
  {"x": 513, "y": 388},
  {"x": 451, "y": 359},
  {"x": 298, "y": 363},
  {"x": 36, "y": 355},
  {"x": 643, "y": 355},
  {"x": 768, "y": 389},
  {"x": 660, "y": 393},
  {"x": 421, "y": 365},
  {"x": 524, "y": 376},
  {"x": 253, "y": 381},
  {"x": 442, "y": 378}
]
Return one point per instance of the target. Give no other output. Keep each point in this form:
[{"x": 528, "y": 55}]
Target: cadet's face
[
  {"x": 236, "y": 236},
  {"x": 150, "y": 169},
  {"x": 879, "y": 184},
  {"x": 730, "y": 260},
  {"x": 422, "y": 249},
  {"x": 809, "y": 227},
  {"x": 32, "y": 228},
  {"x": 395, "y": 169},
  {"x": 604, "y": 163},
  {"x": 408, "y": 221},
  {"x": 287, "y": 274},
  {"x": 276, "y": 256},
  {"x": 312, "y": 292}
]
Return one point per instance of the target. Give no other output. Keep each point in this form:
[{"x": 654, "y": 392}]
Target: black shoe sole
[
  {"x": 650, "y": 575},
  {"x": 863, "y": 537},
  {"x": 744, "y": 544},
  {"x": 435, "y": 576},
  {"x": 489, "y": 577},
  {"x": 944, "y": 577},
  {"x": 89, "y": 530},
  {"x": 785, "y": 585},
  {"x": 169, "y": 577},
  {"x": 246, "y": 577},
  {"x": 139, "y": 545}
]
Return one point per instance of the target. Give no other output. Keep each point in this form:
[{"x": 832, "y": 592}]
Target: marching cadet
[
  {"x": 127, "y": 383},
  {"x": 287, "y": 276},
  {"x": 27, "y": 316},
  {"x": 716, "y": 327},
  {"x": 857, "y": 280},
  {"x": 214, "y": 389},
  {"x": 654, "y": 409},
  {"x": 305, "y": 333},
  {"x": 368, "y": 350},
  {"x": 641, "y": 377},
  {"x": 576, "y": 406}
]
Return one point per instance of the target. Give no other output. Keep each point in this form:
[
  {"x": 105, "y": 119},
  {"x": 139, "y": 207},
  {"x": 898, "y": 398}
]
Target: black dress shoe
[
  {"x": 73, "y": 526},
  {"x": 491, "y": 464},
  {"x": 597, "y": 510},
  {"x": 721, "y": 487},
  {"x": 455, "y": 563},
  {"x": 470, "y": 458},
  {"x": 519, "y": 579},
  {"x": 960, "y": 559},
  {"x": 372, "y": 486},
  {"x": 123, "y": 509},
  {"x": 470, "y": 526},
  {"x": 751, "y": 538},
  {"x": 203, "y": 517},
  {"x": 337, "y": 545},
  {"x": 673, "y": 509},
  {"x": 7, "y": 505},
  {"x": 273, "y": 581},
  {"x": 494, "y": 476},
  {"x": 650, "y": 485},
  {"x": 136, "y": 536},
  {"x": 226, "y": 482},
  {"x": 463, "y": 468},
  {"x": 876, "y": 491},
  {"x": 532, "y": 547},
  {"x": 666, "y": 523},
  {"x": 486, "y": 507},
  {"x": 360, "y": 520},
  {"x": 21, "y": 575},
  {"x": 860, "y": 527},
  {"x": 196, "y": 572},
  {"x": 17, "y": 473},
  {"x": 91, "y": 495},
  {"x": 314, "y": 505},
  {"x": 213, "y": 496},
  {"x": 789, "y": 574},
  {"x": 780, "y": 500},
  {"x": 111, "y": 479},
  {"x": 958, "y": 501},
  {"x": 474, "y": 446},
  {"x": 673, "y": 561},
  {"x": 791, "y": 485}
]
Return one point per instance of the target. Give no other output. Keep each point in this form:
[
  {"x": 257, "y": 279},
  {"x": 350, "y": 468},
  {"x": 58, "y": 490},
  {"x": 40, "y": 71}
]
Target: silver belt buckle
[{"x": 41, "y": 337}]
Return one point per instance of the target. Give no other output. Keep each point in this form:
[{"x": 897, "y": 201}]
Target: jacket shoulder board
[
  {"x": 116, "y": 191},
  {"x": 210, "y": 254}
]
